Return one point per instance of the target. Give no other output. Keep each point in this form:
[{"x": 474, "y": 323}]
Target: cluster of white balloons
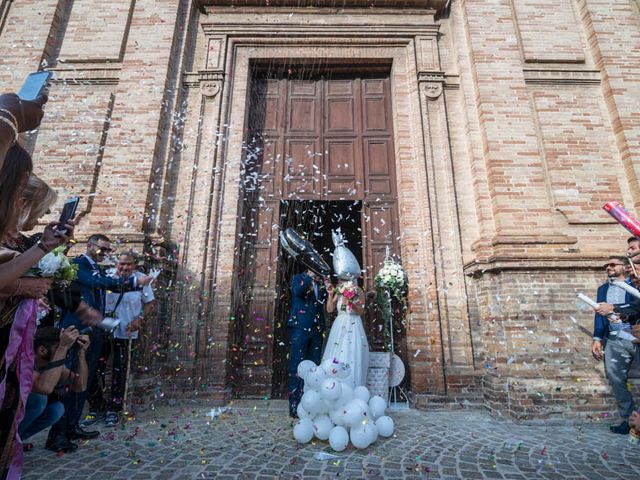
[{"x": 332, "y": 410}]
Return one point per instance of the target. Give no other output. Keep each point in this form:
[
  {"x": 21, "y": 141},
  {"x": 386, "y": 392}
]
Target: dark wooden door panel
[
  {"x": 343, "y": 167},
  {"x": 374, "y": 114},
  {"x": 302, "y": 167},
  {"x": 380, "y": 226},
  {"x": 340, "y": 116},
  {"x": 378, "y": 156}
]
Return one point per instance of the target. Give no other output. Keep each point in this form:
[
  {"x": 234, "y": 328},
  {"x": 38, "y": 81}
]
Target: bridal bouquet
[
  {"x": 55, "y": 264},
  {"x": 349, "y": 292}
]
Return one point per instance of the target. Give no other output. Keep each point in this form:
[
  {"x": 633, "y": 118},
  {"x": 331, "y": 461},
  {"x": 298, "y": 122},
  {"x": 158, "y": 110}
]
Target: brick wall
[{"x": 536, "y": 127}]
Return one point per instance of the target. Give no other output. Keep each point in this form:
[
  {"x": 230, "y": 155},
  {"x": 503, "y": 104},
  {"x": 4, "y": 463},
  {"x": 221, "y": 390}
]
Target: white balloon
[
  {"x": 373, "y": 429},
  {"x": 343, "y": 370},
  {"x": 361, "y": 404},
  {"x": 331, "y": 389},
  {"x": 362, "y": 393},
  {"x": 360, "y": 437},
  {"x": 385, "y": 426},
  {"x": 338, "y": 438},
  {"x": 329, "y": 368},
  {"x": 328, "y": 406},
  {"x": 322, "y": 426},
  {"x": 314, "y": 378},
  {"x": 336, "y": 416},
  {"x": 370, "y": 430},
  {"x": 302, "y": 413},
  {"x": 312, "y": 402},
  {"x": 346, "y": 394},
  {"x": 303, "y": 431},
  {"x": 304, "y": 367},
  {"x": 377, "y": 406},
  {"x": 353, "y": 414}
]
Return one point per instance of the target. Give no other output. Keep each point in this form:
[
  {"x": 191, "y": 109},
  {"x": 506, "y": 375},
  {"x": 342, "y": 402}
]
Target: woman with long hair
[
  {"x": 35, "y": 202},
  {"x": 17, "y": 116},
  {"x": 18, "y": 312}
]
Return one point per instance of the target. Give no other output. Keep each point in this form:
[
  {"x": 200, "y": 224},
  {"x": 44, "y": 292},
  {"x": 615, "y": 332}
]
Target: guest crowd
[{"x": 56, "y": 336}]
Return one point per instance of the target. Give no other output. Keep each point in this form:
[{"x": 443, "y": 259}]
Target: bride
[{"x": 347, "y": 342}]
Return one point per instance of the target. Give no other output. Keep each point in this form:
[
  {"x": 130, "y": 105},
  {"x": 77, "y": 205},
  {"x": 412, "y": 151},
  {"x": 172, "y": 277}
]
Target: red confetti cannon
[{"x": 623, "y": 217}]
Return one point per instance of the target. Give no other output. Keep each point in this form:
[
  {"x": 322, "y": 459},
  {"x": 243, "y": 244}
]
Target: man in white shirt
[{"x": 130, "y": 309}]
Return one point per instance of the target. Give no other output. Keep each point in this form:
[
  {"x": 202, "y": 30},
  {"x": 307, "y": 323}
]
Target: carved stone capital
[
  {"x": 210, "y": 83},
  {"x": 210, "y": 88},
  {"x": 431, "y": 90}
]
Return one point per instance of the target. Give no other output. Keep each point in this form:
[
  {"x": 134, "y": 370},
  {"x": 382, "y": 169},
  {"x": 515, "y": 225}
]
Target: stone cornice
[
  {"x": 194, "y": 79},
  {"x": 494, "y": 264},
  {"x": 339, "y": 31},
  {"x": 94, "y": 74},
  {"x": 555, "y": 76},
  {"x": 282, "y": 24},
  {"x": 434, "y": 5}
]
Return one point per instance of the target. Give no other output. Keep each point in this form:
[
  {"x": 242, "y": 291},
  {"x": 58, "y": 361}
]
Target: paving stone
[{"x": 248, "y": 443}]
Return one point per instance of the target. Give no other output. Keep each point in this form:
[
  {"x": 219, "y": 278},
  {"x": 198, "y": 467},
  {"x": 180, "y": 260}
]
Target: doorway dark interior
[{"x": 314, "y": 219}]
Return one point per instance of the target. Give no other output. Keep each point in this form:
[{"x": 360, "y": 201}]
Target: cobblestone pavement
[{"x": 253, "y": 440}]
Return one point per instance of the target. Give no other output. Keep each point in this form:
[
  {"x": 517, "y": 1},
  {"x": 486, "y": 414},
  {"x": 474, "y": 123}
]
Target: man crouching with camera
[{"x": 52, "y": 380}]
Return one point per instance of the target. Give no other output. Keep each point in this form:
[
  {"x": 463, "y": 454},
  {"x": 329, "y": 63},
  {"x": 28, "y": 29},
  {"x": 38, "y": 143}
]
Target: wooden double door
[{"x": 310, "y": 136}]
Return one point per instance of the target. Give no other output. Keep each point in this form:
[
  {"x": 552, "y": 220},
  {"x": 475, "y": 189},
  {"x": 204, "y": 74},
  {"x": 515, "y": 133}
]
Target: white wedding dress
[{"x": 347, "y": 343}]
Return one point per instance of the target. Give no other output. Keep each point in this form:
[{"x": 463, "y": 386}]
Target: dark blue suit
[
  {"x": 306, "y": 325},
  {"x": 600, "y": 323},
  {"x": 94, "y": 284}
]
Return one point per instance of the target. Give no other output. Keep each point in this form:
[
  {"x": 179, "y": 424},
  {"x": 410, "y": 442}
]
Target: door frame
[{"x": 425, "y": 333}]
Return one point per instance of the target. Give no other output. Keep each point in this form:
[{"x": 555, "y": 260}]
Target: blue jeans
[
  {"x": 38, "y": 415},
  {"x": 305, "y": 345},
  {"x": 74, "y": 401}
]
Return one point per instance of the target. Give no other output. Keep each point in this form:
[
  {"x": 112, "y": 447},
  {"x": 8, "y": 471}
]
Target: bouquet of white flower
[
  {"x": 55, "y": 264},
  {"x": 391, "y": 276},
  {"x": 391, "y": 286}
]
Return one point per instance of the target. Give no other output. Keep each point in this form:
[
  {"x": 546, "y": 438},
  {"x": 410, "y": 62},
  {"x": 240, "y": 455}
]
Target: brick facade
[{"x": 514, "y": 120}]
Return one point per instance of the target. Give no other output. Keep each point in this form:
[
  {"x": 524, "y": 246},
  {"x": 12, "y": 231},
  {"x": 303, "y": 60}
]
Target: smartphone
[
  {"x": 86, "y": 331},
  {"x": 34, "y": 85},
  {"x": 68, "y": 212}
]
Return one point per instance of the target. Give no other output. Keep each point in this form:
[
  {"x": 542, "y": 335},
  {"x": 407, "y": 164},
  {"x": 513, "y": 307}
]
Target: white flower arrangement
[
  {"x": 391, "y": 275},
  {"x": 392, "y": 287},
  {"x": 55, "y": 264}
]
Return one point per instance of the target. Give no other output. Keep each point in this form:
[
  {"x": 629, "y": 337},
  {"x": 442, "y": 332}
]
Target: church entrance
[
  {"x": 315, "y": 219},
  {"x": 319, "y": 154}
]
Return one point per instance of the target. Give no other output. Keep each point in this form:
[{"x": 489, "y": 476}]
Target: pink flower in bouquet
[{"x": 349, "y": 294}]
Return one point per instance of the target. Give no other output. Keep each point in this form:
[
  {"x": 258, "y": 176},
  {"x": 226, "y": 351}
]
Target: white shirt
[{"x": 129, "y": 308}]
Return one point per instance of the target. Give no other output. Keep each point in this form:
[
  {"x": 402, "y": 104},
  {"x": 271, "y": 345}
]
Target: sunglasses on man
[
  {"x": 103, "y": 249},
  {"x": 613, "y": 265}
]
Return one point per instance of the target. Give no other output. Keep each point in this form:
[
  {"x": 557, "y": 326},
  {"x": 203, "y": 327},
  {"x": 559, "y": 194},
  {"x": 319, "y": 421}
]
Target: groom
[{"x": 306, "y": 326}]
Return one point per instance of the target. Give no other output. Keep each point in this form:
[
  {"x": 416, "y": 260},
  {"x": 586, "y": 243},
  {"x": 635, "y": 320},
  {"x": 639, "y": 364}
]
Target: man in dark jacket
[
  {"x": 94, "y": 284},
  {"x": 306, "y": 326},
  {"x": 612, "y": 326}
]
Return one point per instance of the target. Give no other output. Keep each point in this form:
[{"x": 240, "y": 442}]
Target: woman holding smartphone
[
  {"x": 16, "y": 357},
  {"x": 18, "y": 116}
]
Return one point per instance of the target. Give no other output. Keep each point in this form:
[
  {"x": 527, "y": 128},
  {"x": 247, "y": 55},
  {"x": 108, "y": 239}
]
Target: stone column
[
  {"x": 445, "y": 235},
  {"x": 197, "y": 203}
]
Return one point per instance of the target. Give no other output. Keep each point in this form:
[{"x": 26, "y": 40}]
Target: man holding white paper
[{"x": 620, "y": 347}]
